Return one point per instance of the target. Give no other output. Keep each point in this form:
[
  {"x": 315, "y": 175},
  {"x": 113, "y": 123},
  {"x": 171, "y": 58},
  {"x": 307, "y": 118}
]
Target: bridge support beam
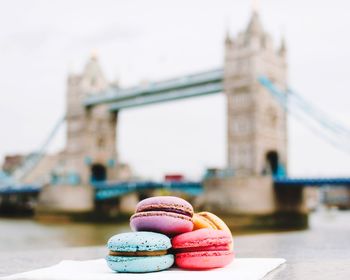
[{"x": 254, "y": 203}]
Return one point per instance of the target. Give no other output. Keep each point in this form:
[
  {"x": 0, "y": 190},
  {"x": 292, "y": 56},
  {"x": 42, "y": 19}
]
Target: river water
[{"x": 27, "y": 234}]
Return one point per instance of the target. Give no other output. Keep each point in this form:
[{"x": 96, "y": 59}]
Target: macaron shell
[
  {"x": 139, "y": 241},
  {"x": 164, "y": 222},
  {"x": 201, "y": 238},
  {"x": 204, "y": 259},
  {"x": 203, "y": 249},
  {"x": 171, "y": 202},
  {"x": 209, "y": 220},
  {"x": 140, "y": 264}
]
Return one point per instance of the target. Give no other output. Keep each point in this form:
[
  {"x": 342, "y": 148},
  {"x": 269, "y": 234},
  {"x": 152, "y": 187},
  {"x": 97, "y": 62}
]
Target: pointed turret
[
  {"x": 283, "y": 48},
  {"x": 93, "y": 77},
  {"x": 254, "y": 35},
  {"x": 92, "y": 68},
  {"x": 255, "y": 26},
  {"x": 228, "y": 39}
]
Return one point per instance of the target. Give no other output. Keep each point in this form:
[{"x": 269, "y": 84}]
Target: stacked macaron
[
  {"x": 165, "y": 214},
  {"x": 198, "y": 240},
  {"x": 139, "y": 252}
]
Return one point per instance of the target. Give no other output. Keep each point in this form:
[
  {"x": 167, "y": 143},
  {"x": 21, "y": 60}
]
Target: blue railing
[
  {"x": 20, "y": 189},
  {"x": 316, "y": 182},
  {"x": 108, "y": 190}
]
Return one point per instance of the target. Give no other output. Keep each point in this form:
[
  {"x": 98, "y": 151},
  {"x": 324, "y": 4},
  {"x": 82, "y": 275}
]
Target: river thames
[{"x": 28, "y": 234}]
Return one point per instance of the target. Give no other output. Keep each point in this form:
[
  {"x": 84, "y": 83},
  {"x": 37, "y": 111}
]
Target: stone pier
[
  {"x": 65, "y": 202},
  {"x": 254, "y": 203}
]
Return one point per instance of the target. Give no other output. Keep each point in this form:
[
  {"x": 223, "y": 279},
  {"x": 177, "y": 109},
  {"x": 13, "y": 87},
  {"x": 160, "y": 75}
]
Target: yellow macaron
[{"x": 208, "y": 220}]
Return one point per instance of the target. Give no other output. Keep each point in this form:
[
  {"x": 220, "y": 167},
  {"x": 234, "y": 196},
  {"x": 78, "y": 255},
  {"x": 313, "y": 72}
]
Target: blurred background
[{"x": 238, "y": 106}]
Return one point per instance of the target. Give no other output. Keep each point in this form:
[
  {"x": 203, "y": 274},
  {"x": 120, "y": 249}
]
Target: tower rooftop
[{"x": 255, "y": 25}]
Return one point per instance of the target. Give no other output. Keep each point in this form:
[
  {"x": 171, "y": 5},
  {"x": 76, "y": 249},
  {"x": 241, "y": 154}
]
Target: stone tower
[
  {"x": 90, "y": 154},
  {"x": 257, "y": 127},
  {"x": 91, "y": 132}
]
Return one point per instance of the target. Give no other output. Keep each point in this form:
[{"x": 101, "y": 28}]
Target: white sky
[{"x": 153, "y": 39}]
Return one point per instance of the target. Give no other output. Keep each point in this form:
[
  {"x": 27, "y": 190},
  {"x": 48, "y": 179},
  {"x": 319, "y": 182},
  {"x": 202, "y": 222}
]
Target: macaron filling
[
  {"x": 160, "y": 213},
  {"x": 138, "y": 253},
  {"x": 179, "y": 209}
]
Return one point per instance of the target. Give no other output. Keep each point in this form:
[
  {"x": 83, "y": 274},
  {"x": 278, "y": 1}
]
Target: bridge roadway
[
  {"x": 204, "y": 83},
  {"x": 108, "y": 190}
]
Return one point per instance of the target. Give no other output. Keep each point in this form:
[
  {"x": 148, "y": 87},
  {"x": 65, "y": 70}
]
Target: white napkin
[{"x": 245, "y": 268}]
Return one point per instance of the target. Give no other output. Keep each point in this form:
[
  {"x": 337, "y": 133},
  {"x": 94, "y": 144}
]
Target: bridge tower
[
  {"x": 90, "y": 154},
  {"x": 257, "y": 138},
  {"x": 91, "y": 132},
  {"x": 257, "y": 125}
]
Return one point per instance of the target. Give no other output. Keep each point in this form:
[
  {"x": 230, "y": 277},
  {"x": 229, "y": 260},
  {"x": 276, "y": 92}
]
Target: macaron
[
  {"x": 139, "y": 252},
  {"x": 208, "y": 220},
  {"x": 165, "y": 214},
  {"x": 203, "y": 249}
]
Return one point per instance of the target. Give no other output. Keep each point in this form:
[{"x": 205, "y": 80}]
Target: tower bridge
[
  {"x": 254, "y": 82},
  {"x": 256, "y": 127}
]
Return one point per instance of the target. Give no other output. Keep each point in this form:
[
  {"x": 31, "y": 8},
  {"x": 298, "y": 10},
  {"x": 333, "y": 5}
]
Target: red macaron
[{"x": 203, "y": 249}]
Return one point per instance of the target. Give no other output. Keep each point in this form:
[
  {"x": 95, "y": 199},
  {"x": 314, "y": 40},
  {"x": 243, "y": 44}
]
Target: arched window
[
  {"x": 98, "y": 173},
  {"x": 272, "y": 161}
]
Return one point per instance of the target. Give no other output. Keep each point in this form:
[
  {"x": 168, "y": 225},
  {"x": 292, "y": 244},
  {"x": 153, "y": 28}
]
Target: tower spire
[
  {"x": 228, "y": 39},
  {"x": 93, "y": 54},
  {"x": 282, "y": 49},
  {"x": 255, "y": 6},
  {"x": 255, "y": 26}
]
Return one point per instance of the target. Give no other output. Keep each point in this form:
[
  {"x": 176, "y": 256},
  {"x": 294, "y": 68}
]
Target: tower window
[
  {"x": 98, "y": 173},
  {"x": 272, "y": 161},
  {"x": 271, "y": 117},
  {"x": 100, "y": 142}
]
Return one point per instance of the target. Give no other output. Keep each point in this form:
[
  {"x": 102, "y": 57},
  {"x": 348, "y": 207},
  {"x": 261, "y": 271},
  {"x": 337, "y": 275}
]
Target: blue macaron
[{"x": 139, "y": 252}]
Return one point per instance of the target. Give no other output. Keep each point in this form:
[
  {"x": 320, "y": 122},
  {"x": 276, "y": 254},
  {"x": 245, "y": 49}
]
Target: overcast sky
[{"x": 41, "y": 41}]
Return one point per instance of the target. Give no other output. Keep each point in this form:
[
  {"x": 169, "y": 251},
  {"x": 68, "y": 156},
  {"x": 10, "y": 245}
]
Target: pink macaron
[
  {"x": 165, "y": 214},
  {"x": 203, "y": 249}
]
